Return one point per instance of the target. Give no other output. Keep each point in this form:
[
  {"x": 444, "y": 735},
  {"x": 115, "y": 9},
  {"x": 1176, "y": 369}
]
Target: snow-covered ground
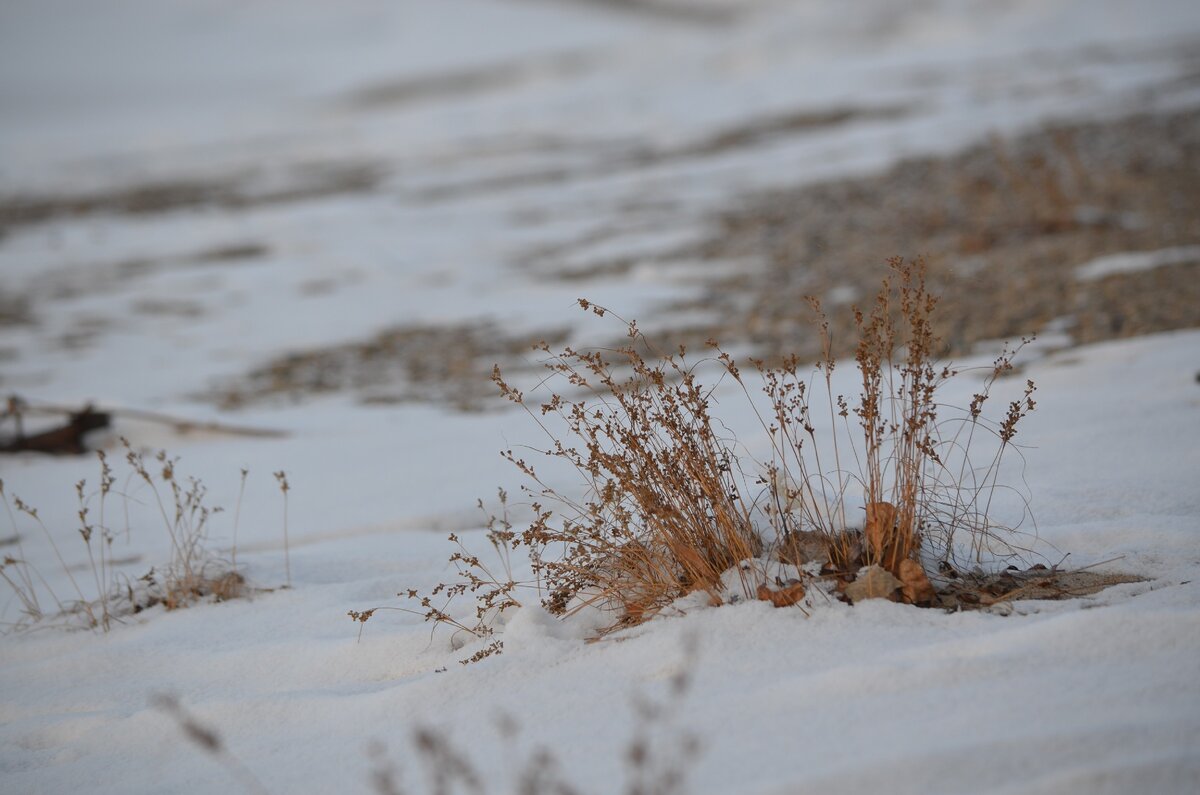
[{"x": 384, "y": 163}]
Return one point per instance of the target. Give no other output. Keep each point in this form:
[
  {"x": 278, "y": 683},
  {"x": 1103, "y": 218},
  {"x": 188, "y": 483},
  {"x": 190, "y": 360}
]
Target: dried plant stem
[
  {"x": 281, "y": 477},
  {"x": 191, "y": 573},
  {"x": 24, "y": 586},
  {"x": 237, "y": 516},
  {"x": 83, "y": 601}
]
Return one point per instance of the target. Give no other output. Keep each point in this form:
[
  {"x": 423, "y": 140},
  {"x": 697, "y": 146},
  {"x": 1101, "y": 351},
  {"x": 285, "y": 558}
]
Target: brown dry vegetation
[
  {"x": 981, "y": 590},
  {"x": 304, "y": 182},
  {"x": 104, "y": 595},
  {"x": 1002, "y": 226},
  {"x": 447, "y": 365},
  {"x": 667, "y": 508}
]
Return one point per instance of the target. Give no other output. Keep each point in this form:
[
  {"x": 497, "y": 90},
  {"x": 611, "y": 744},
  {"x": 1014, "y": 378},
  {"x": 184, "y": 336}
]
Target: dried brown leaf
[
  {"x": 915, "y": 586},
  {"x": 784, "y": 597}
]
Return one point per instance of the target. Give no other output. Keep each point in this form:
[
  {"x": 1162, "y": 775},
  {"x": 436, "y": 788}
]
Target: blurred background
[{"x": 333, "y": 218}]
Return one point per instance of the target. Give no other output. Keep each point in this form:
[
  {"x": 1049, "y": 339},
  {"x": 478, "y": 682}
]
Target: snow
[
  {"x": 1135, "y": 261},
  {"x": 527, "y": 143},
  {"x": 1096, "y": 692}
]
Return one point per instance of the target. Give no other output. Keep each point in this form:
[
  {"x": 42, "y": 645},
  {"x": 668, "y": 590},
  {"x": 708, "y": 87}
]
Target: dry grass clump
[
  {"x": 665, "y": 511},
  {"x": 863, "y": 491},
  {"x": 906, "y": 455},
  {"x": 193, "y": 572},
  {"x": 106, "y": 593}
]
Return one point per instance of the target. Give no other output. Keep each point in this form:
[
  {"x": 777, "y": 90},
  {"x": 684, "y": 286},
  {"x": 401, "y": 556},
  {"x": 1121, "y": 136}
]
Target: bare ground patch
[
  {"x": 1003, "y": 226},
  {"x": 73, "y": 281},
  {"x": 307, "y": 181},
  {"x": 445, "y": 365},
  {"x": 979, "y": 590},
  {"x": 14, "y": 310},
  {"x": 465, "y": 82},
  {"x": 688, "y": 13},
  {"x": 602, "y": 160}
]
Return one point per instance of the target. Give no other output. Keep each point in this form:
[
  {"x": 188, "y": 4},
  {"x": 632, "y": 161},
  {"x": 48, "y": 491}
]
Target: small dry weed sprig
[
  {"x": 493, "y": 587},
  {"x": 99, "y": 560},
  {"x": 192, "y": 572},
  {"x": 94, "y": 612},
  {"x": 284, "y": 488},
  {"x": 20, "y": 575},
  {"x": 237, "y": 516}
]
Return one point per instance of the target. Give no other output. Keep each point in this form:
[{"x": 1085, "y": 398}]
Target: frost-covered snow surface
[{"x": 328, "y": 170}]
